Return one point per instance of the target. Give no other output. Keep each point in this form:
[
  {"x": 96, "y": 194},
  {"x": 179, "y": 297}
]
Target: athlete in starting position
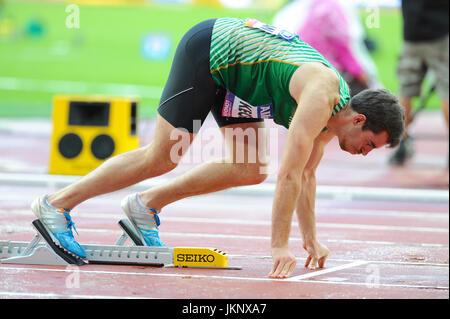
[{"x": 219, "y": 66}]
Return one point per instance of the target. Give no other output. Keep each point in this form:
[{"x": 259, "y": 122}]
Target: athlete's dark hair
[{"x": 383, "y": 113}]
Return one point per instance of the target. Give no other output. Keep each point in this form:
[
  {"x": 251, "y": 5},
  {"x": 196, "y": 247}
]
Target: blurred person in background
[
  {"x": 334, "y": 29},
  {"x": 425, "y": 48}
]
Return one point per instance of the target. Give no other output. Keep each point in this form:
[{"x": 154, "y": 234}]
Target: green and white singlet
[{"x": 255, "y": 63}]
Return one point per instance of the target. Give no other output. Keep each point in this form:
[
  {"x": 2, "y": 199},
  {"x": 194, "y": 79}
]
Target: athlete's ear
[{"x": 359, "y": 119}]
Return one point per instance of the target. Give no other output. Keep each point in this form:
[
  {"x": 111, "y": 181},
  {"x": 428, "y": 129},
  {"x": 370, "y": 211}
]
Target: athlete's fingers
[
  {"x": 274, "y": 267},
  {"x": 288, "y": 269},
  {"x": 313, "y": 264},
  {"x": 280, "y": 266},
  {"x": 308, "y": 259},
  {"x": 322, "y": 261},
  {"x": 283, "y": 268},
  {"x": 291, "y": 268},
  {"x": 276, "y": 273}
]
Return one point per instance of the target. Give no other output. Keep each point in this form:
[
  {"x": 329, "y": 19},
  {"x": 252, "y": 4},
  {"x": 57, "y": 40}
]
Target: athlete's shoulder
[
  {"x": 317, "y": 72},
  {"x": 318, "y": 75}
]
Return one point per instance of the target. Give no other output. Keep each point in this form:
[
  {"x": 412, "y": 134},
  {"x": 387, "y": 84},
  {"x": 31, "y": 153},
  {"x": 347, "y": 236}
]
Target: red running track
[{"x": 376, "y": 252}]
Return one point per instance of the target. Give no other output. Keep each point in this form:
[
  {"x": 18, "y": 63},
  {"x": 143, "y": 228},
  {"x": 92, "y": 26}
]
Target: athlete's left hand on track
[
  {"x": 283, "y": 263},
  {"x": 317, "y": 254}
]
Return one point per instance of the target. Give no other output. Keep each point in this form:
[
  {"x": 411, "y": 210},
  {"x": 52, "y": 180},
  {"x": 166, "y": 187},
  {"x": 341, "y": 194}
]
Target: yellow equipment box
[
  {"x": 199, "y": 257},
  {"x": 87, "y": 130}
]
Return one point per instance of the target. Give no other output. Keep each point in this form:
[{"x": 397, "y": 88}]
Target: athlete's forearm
[
  {"x": 285, "y": 197},
  {"x": 287, "y": 191},
  {"x": 307, "y": 198},
  {"x": 305, "y": 208}
]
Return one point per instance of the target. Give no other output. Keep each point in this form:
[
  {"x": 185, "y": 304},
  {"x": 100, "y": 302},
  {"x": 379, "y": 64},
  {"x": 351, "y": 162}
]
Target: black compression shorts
[{"x": 190, "y": 92}]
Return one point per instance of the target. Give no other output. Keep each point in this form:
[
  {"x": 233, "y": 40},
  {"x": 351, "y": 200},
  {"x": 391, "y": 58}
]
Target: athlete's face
[{"x": 356, "y": 141}]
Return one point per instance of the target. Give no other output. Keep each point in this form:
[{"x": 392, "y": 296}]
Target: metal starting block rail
[{"x": 47, "y": 253}]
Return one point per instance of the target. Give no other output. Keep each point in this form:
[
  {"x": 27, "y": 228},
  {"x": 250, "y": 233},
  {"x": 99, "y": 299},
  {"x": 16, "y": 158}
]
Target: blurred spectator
[
  {"x": 334, "y": 29},
  {"x": 425, "y": 48}
]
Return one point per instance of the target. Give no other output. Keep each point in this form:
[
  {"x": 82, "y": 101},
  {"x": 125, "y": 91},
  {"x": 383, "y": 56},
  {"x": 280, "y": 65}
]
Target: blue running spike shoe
[
  {"x": 145, "y": 220},
  {"x": 58, "y": 223}
]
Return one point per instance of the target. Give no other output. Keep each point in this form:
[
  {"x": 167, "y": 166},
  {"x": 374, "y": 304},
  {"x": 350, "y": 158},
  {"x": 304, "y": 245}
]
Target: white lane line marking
[
  {"x": 53, "y": 295},
  {"x": 257, "y": 222},
  {"x": 383, "y": 227},
  {"x": 334, "y": 279},
  {"x": 190, "y": 276},
  {"x": 327, "y": 271}
]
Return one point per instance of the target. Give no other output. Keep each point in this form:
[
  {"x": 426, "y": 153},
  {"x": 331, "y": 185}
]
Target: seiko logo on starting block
[
  {"x": 199, "y": 257},
  {"x": 195, "y": 258}
]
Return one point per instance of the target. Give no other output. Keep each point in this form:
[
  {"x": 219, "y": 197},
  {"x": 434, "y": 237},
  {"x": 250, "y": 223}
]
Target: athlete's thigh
[
  {"x": 246, "y": 142},
  {"x": 169, "y": 141}
]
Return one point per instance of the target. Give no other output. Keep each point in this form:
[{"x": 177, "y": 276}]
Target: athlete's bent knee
[
  {"x": 158, "y": 161},
  {"x": 252, "y": 174}
]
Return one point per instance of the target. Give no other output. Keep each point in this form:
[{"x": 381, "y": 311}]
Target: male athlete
[{"x": 219, "y": 66}]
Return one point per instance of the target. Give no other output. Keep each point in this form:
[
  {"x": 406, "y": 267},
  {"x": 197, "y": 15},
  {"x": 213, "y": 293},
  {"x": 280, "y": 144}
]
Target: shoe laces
[
  {"x": 154, "y": 212},
  {"x": 69, "y": 222}
]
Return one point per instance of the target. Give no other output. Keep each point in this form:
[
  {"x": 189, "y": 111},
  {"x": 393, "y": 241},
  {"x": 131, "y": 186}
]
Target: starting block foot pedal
[
  {"x": 67, "y": 257},
  {"x": 35, "y": 253},
  {"x": 129, "y": 231}
]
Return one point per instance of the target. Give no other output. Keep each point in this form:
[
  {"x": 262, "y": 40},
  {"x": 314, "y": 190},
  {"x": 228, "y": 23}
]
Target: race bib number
[
  {"x": 233, "y": 106},
  {"x": 285, "y": 35}
]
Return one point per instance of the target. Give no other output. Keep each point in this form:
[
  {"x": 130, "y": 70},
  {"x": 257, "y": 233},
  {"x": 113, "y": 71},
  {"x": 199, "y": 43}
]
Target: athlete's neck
[{"x": 339, "y": 119}]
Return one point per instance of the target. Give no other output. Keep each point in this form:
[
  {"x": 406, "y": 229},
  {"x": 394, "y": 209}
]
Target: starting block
[{"x": 47, "y": 253}]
